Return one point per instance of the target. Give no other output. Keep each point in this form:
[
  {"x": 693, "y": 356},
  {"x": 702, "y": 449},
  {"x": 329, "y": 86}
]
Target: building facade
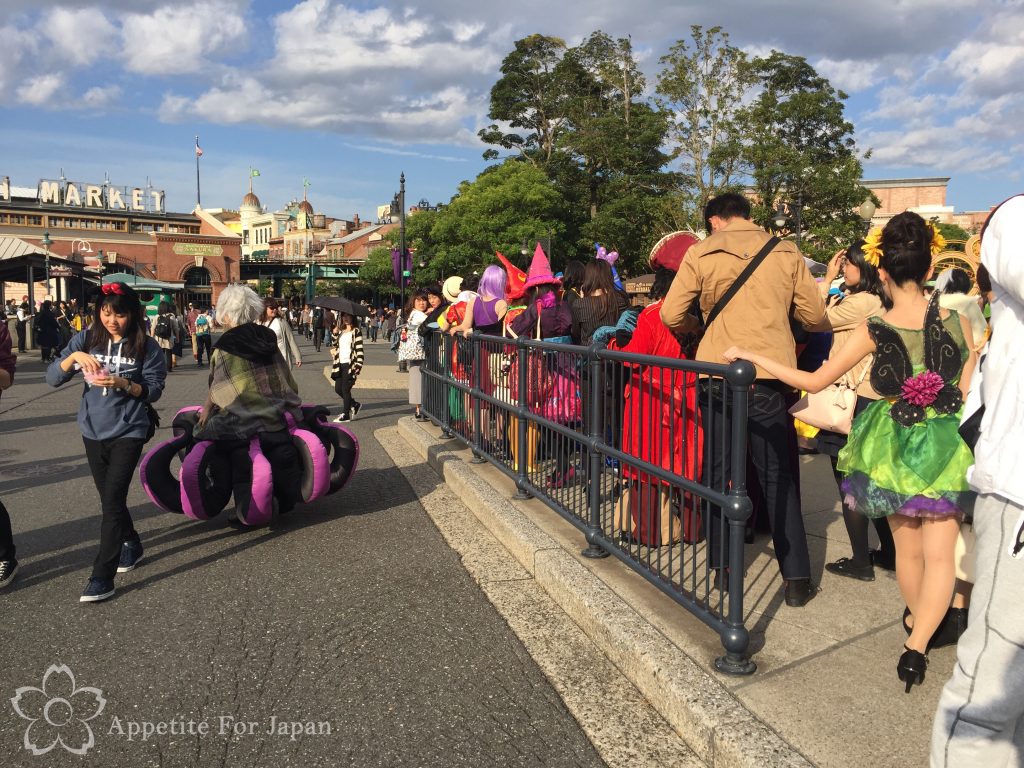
[{"x": 124, "y": 230}]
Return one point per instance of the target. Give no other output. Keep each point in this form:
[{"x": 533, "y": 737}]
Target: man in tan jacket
[{"x": 757, "y": 318}]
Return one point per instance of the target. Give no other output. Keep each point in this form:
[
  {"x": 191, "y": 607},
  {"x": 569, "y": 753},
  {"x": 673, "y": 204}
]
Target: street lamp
[
  {"x": 782, "y": 217},
  {"x": 867, "y": 211},
  {"x": 398, "y": 207},
  {"x": 47, "y": 242}
]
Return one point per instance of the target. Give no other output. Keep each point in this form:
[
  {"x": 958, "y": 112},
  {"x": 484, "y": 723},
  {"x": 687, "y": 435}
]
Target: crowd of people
[{"x": 923, "y": 451}]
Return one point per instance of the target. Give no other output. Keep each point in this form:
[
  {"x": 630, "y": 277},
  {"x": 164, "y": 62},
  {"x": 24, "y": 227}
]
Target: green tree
[
  {"x": 951, "y": 231},
  {"x": 801, "y": 150},
  {"x": 615, "y": 142},
  {"x": 504, "y": 206},
  {"x": 530, "y": 98},
  {"x": 376, "y": 271},
  {"x": 702, "y": 86}
]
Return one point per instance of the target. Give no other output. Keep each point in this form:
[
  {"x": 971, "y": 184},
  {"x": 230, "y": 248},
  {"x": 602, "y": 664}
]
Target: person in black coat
[{"x": 47, "y": 331}]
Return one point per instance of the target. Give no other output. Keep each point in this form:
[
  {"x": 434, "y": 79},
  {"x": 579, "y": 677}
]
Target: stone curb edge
[{"x": 720, "y": 730}]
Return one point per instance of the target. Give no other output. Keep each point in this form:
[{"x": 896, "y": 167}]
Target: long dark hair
[
  {"x": 122, "y": 300},
  {"x": 597, "y": 276},
  {"x": 870, "y": 282}
]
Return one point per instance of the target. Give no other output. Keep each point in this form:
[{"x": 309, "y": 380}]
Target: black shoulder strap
[{"x": 740, "y": 280}]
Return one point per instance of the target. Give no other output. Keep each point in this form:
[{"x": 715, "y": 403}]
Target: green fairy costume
[{"x": 904, "y": 454}]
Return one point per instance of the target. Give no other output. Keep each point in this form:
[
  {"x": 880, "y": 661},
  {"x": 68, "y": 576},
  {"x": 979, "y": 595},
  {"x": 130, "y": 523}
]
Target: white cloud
[
  {"x": 98, "y": 97},
  {"x": 849, "y": 75},
  {"x": 80, "y": 36},
  {"x": 39, "y": 91},
  {"x": 180, "y": 39}
]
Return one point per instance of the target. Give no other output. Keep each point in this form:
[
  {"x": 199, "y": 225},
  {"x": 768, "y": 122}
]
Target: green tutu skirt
[{"x": 917, "y": 471}]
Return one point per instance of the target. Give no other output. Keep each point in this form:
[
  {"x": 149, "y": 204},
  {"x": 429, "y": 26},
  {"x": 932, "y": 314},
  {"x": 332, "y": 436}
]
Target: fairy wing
[
  {"x": 941, "y": 352},
  {"x": 892, "y": 365},
  {"x": 943, "y": 356}
]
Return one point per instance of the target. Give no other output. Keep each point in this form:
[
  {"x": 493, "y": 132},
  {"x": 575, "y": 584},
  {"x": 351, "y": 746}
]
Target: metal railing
[{"x": 645, "y": 455}]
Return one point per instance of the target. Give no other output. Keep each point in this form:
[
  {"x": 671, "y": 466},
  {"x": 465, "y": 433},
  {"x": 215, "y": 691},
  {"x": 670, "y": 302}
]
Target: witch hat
[
  {"x": 540, "y": 271},
  {"x": 516, "y": 278}
]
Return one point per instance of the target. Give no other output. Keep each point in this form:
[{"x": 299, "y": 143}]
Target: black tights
[{"x": 857, "y": 529}]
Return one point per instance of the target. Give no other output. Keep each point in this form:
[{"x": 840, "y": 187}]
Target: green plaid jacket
[{"x": 249, "y": 398}]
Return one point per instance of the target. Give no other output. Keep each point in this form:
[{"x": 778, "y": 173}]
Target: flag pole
[{"x": 198, "y": 198}]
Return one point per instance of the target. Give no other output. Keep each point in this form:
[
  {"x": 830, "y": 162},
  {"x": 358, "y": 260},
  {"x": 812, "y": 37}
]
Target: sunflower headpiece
[{"x": 873, "y": 244}]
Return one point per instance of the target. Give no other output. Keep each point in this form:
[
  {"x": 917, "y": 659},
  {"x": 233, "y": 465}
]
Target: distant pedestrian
[
  {"x": 47, "y": 331},
  {"x": 410, "y": 348},
  {"x": 203, "y": 337},
  {"x": 124, "y": 372},
  {"x": 24, "y": 314},
  {"x": 347, "y": 354},
  {"x": 273, "y": 320},
  {"x": 317, "y": 322}
]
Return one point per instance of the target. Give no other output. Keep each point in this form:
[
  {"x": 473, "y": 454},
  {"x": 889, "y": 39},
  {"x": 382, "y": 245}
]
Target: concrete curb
[{"x": 721, "y": 731}]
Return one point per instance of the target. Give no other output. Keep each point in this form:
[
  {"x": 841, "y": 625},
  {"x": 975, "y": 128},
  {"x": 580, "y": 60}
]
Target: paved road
[{"x": 351, "y": 612}]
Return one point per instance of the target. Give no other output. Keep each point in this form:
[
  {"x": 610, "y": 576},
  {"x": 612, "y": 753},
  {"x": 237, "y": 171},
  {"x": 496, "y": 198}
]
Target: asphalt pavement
[{"x": 346, "y": 633}]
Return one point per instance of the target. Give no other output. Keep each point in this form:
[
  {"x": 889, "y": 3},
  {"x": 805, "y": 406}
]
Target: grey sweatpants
[{"x": 980, "y": 719}]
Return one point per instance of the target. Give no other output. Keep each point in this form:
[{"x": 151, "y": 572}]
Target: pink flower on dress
[{"x": 921, "y": 390}]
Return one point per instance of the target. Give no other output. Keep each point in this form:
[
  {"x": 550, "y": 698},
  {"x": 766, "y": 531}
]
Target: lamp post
[
  {"x": 398, "y": 207},
  {"x": 784, "y": 211},
  {"x": 47, "y": 242},
  {"x": 867, "y": 212}
]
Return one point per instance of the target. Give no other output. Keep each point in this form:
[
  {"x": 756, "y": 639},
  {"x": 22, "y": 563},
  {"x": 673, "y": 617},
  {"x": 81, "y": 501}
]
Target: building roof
[
  {"x": 250, "y": 199},
  {"x": 358, "y": 234},
  {"x": 937, "y": 181},
  {"x": 142, "y": 283},
  {"x": 13, "y": 247},
  {"x": 306, "y": 207}
]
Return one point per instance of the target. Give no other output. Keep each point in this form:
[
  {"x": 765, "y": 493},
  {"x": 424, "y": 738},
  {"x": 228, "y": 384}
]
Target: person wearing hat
[{"x": 541, "y": 287}]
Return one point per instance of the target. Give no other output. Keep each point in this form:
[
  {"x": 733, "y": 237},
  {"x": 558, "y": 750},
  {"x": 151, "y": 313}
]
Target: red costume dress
[{"x": 661, "y": 425}]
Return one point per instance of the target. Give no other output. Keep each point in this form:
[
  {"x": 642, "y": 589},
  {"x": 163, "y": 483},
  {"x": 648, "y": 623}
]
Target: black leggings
[
  {"x": 6, "y": 536},
  {"x": 857, "y": 528},
  {"x": 343, "y": 387},
  {"x": 112, "y": 463}
]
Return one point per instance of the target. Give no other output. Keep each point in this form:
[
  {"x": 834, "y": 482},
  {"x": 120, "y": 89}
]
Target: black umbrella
[{"x": 341, "y": 304}]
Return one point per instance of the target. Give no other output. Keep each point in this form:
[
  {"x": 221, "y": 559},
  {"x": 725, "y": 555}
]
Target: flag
[
  {"x": 199, "y": 152},
  {"x": 255, "y": 172}
]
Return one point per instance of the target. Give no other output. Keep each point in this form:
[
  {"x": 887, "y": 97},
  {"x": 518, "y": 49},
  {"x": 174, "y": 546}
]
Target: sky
[{"x": 350, "y": 94}]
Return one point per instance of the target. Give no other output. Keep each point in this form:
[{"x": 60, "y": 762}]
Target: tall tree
[
  {"x": 801, "y": 149},
  {"x": 614, "y": 139},
  {"x": 702, "y": 85},
  {"x": 530, "y": 99}
]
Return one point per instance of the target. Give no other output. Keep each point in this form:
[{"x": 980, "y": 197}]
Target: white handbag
[{"x": 832, "y": 408}]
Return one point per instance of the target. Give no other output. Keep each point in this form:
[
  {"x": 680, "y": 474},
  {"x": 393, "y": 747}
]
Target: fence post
[
  {"x": 446, "y": 370},
  {"x": 474, "y": 394},
  {"x": 736, "y": 638},
  {"x": 596, "y": 434},
  {"x": 522, "y": 459}
]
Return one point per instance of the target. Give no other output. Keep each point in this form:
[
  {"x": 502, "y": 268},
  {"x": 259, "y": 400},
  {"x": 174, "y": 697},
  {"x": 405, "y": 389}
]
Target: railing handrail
[{"x": 588, "y": 366}]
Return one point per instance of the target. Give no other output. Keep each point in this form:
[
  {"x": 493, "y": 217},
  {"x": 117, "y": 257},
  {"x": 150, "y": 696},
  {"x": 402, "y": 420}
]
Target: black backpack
[{"x": 163, "y": 329}]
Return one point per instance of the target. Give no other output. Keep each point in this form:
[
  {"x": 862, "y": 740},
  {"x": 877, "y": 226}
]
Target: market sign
[
  {"x": 61, "y": 272},
  {"x": 104, "y": 197},
  {"x": 198, "y": 249}
]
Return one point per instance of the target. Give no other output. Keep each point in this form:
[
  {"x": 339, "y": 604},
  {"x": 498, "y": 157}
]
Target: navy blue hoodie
[{"x": 117, "y": 414}]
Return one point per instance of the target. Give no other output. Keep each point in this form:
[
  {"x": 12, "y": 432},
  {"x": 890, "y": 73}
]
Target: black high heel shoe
[{"x": 911, "y": 667}]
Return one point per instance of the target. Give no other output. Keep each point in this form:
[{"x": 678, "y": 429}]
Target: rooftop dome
[
  {"x": 251, "y": 200},
  {"x": 305, "y": 207}
]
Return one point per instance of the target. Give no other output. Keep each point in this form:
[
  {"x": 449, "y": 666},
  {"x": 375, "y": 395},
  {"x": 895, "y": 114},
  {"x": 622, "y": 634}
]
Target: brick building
[{"x": 126, "y": 230}]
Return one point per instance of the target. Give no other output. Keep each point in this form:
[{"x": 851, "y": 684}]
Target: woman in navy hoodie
[{"x": 124, "y": 370}]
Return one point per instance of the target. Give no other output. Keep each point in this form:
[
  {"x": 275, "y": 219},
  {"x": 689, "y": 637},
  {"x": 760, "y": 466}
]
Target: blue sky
[{"x": 351, "y": 94}]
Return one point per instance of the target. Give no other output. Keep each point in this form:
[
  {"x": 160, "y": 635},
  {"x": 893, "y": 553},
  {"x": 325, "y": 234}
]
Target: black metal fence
[{"x": 645, "y": 455}]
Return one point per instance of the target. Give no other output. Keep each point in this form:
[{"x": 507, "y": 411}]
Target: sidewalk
[{"x": 826, "y": 680}]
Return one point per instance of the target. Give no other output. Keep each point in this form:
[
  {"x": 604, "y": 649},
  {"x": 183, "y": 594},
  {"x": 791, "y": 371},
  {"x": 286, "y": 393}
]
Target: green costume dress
[{"x": 905, "y": 454}]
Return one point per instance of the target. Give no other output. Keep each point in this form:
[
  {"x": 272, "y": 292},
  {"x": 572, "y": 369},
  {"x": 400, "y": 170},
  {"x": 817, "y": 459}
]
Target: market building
[{"x": 106, "y": 228}]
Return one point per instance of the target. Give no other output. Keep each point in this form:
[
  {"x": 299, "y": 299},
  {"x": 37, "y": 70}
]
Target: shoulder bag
[{"x": 833, "y": 407}]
